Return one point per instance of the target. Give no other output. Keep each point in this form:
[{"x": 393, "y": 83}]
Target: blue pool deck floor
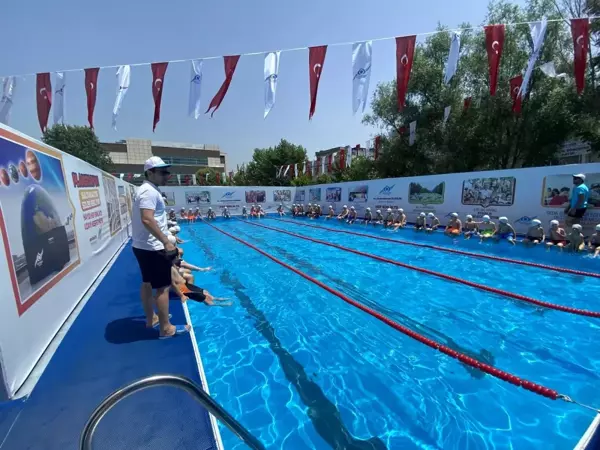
[{"x": 107, "y": 347}]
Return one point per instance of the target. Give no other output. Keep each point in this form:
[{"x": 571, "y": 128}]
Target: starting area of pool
[{"x": 300, "y": 367}]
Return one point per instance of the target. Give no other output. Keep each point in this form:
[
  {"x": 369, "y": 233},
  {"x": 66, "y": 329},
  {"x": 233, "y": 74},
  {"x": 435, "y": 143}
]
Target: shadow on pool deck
[{"x": 107, "y": 347}]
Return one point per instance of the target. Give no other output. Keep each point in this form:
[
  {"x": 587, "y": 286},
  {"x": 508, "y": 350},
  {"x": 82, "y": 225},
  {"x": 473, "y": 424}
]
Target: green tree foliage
[
  {"x": 212, "y": 176},
  {"x": 262, "y": 170},
  {"x": 487, "y": 135},
  {"x": 80, "y": 142}
]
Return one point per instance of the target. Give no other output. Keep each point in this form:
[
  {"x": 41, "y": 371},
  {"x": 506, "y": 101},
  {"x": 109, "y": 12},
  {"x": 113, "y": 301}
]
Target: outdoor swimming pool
[{"x": 300, "y": 368}]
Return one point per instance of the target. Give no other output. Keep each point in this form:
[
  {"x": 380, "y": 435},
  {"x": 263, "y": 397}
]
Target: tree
[
  {"x": 80, "y": 142},
  {"x": 487, "y": 134},
  {"x": 262, "y": 170},
  {"x": 212, "y": 176}
]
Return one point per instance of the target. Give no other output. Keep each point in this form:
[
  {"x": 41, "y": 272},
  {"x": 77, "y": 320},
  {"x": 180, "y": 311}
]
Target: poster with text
[
  {"x": 282, "y": 195},
  {"x": 91, "y": 210},
  {"x": 299, "y": 196},
  {"x": 333, "y": 194},
  {"x": 170, "y": 200},
  {"x": 123, "y": 204},
  {"x": 358, "y": 193},
  {"x": 256, "y": 196},
  {"x": 196, "y": 198},
  {"x": 112, "y": 204},
  {"x": 426, "y": 193},
  {"x": 489, "y": 191},
  {"x": 556, "y": 190},
  {"x": 314, "y": 194},
  {"x": 36, "y": 218}
]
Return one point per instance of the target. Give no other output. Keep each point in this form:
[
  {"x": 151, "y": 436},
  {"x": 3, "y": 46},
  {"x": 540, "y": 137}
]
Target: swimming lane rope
[
  {"x": 580, "y": 312},
  {"x": 450, "y": 250},
  {"x": 472, "y": 362}
]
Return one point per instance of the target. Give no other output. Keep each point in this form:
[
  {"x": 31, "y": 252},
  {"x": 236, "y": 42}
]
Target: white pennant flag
[
  {"x": 322, "y": 165},
  {"x": 304, "y": 169},
  {"x": 195, "y": 89},
  {"x": 194, "y": 178},
  {"x": 6, "y": 100},
  {"x": 453, "y": 57},
  {"x": 538, "y": 34},
  {"x": 58, "y": 104},
  {"x": 295, "y": 170},
  {"x": 446, "y": 113},
  {"x": 179, "y": 179},
  {"x": 271, "y": 76},
  {"x": 287, "y": 169},
  {"x": 413, "y": 133},
  {"x": 349, "y": 153},
  {"x": 123, "y": 78},
  {"x": 207, "y": 174},
  {"x": 361, "y": 73}
]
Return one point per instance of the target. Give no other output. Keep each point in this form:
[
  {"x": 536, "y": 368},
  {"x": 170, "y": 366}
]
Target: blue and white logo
[
  {"x": 227, "y": 195},
  {"x": 525, "y": 219},
  {"x": 387, "y": 190}
]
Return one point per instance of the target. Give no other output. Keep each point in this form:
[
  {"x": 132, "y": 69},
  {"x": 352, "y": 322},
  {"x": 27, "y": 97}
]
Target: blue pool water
[{"x": 302, "y": 369}]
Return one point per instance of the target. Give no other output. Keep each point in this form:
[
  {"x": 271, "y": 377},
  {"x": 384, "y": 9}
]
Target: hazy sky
[{"x": 41, "y": 36}]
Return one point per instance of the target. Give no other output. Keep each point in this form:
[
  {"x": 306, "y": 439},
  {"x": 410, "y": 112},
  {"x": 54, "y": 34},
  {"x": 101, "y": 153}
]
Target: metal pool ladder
[{"x": 85, "y": 442}]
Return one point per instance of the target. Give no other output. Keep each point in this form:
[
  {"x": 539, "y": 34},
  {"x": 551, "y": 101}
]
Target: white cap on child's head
[
  {"x": 576, "y": 227},
  {"x": 431, "y": 214},
  {"x": 536, "y": 222},
  {"x": 598, "y": 227},
  {"x": 503, "y": 219},
  {"x": 486, "y": 218},
  {"x": 554, "y": 222}
]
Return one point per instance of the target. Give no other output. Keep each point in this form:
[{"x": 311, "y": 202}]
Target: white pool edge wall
[{"x": 591, "y": 436}]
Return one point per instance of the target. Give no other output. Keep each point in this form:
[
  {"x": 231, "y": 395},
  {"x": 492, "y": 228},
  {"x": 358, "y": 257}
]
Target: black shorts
[
  {"x": 155, "y": 266},
  {"x": 196, "y": 293},
  {"x": 578, "y": 213}
]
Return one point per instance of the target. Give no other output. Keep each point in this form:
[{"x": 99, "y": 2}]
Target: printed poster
[
  {"x": 426, "y": 193},
  {"x": 36, "y": 218},
  {"x": 112, "y": 203},
  {"x": 170, "y": 200},
  {"x": 556, "y": 190},
  {"x": 256, "y": 196},
  {"x": 91, "y": 210},
  {"x": 489, "y": 191},
  {"x": 196, "y": 197},
  {"x": 299, "y": 195},
  {"x": 358, "y": 193},
  {"x": 333, "y": 194},
  {"x": 282, "y": 195},
  {"x": 123, "y": 204},
  {"x": 314, "y": 194}
]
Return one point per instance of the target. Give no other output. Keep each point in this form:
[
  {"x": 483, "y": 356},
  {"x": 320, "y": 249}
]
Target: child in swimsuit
[
  {"x": 368, "y": 216},
  {"x": 505, "y": 231},
  {"x": 454, "y": 226},
  {"x": 210, "y": 215},
  {"x": 191, "y": 216},
  {"x": 351, "y": 215},
  {"x": 198, "y": 214},
  {"x": 535, "y": 233},
  {"x": 331, "y": 213},
  {"x": 400, "y": 220},
  {"x": 471, "y": 228},
  {"x": 172, "y": 215},
  {"x": 260, "y": 211},
  {"x": 594, "y": 244},
  {"x": 244, "y": 212},
  {"x": 318, "y": 212},
  {"x": 435, "y": 223},
  {"x": 225, "y": 213},
  {"x": 280, "y": 210},
  {"x": 344, "y": 213},
  {"x": 420, "y": 222},
  {"x": 188, "y": 291},
  {"x": 487, "y": 228},
  {"x": 557, "y": 235},
  {"x": 576, "y": 239},
  {"x": 378, "y": 218},
  {"x": 389, "y": 218},
  {"x": 182, "y": 214}
]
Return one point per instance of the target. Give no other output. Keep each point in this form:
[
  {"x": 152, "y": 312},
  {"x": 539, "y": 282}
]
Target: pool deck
[{"x": 107, "y": 347}]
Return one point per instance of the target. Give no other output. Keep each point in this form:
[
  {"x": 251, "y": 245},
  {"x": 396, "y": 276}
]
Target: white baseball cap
[
  {"x": 576, "y": 227},
  {"x": 536, "y": 222},
  {"x": 400, "y": 210},
  {"x": 155, "y": 163},
  {"x": 503, "y": 219},
  {"x": 598, "y": 227},
  {"x": 554, "y": 222},
  {"x": 454, "y": 215},
  {"x": 431, "y": 214},
  {"x": 469, "y": 216},
  {"x": 389, "y": 210},
  {"x": 172, "y": 239},
  {"x": 579, "y": 175}
]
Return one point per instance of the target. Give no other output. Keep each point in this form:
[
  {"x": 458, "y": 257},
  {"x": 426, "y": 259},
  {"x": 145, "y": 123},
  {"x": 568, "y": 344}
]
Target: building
[
  {"x": 577, "y": 152},
  {"x": 129, "y": 156}
]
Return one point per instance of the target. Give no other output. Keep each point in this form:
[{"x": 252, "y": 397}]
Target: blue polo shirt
[{"x": 581, "y": 189}]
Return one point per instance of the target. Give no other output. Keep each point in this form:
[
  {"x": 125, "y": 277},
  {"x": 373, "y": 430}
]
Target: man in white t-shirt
[{"x": 152, "y": 249}]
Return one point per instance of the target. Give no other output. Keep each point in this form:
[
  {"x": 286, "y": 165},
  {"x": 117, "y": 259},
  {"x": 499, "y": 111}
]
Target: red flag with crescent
[
  {"x": 342, "y": 158},
  {"x": 329, "y": 162},
  {"x": 91, "y": 89},
  {"x": 494, "y": 43},
  {"x": 405, "y": 53},
  {"x": 377, "y": 146},
  {"x": 158, "y": 80},
  {"x": 467, "y": 103},
  {"x": 43, "y": 97},
  {"x": 581, "y": 41},
  {"x": 230, "y": 65},
  {"x": 316, "y": 59},
  {"x": 515, "y": 87},
  {"x": 218, "y": 177}
]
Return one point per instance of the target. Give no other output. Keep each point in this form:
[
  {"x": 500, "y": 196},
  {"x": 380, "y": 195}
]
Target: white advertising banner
[{"x": 55, "y": 224}]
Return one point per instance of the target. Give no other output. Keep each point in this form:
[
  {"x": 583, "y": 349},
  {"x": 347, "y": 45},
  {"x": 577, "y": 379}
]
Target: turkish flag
[
  {"x": 581, "y": 42},
  {"x": 43, "y": 96},
  {"x": 316, "y": 59},
  {"x": 342, "y": 158},
  {"x": 218, "y": 176},
  {"x": 230, "y": 65},
  {"x": 91, "y": 89},
  {"x": 494, "y": 43},
  {"x": 158, "y": 81},
  {"x": 467, "y": 103},
  {"x": 329, "y": 162},
  {"x": 515, "y": 87},
  {"x": 405, "y": 53}
]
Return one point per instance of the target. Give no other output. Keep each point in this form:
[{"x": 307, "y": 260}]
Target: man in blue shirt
[{"x": 580, "y": 195}]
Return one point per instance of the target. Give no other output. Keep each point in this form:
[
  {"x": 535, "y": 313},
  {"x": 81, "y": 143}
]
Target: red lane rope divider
[
  {"x": 451, "y": 250},
  {"x": 491, "y": 370},
  {"x": 580, "y": 312}
]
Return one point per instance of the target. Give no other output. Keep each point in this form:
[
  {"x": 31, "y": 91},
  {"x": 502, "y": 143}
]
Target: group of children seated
[{"x": 256, "y": 211}]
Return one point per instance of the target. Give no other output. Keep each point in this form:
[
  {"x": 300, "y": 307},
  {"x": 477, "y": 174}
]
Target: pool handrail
[{"x": 180, "y": 382}]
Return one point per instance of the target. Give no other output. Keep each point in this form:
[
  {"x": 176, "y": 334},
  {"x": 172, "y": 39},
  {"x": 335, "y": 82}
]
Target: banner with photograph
[
  {"x": 60, "y": 224},
  {"x": 314, "y": 194},
  {"x": 257, "y": 196},
  {"x": 282, "y": 195},
  {"x": 197, "y": 198},
  {"x": 492, "y": 191},
  {"x": 426, "y": 192},
  {"x": 299, "y": 195},
  {"x": 358, "y": 193},
  {"x": 170, "y": 200}
]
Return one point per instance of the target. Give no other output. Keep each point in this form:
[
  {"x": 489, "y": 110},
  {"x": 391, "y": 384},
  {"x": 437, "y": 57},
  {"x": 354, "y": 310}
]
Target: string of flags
[{"x": 47, "y": 98}]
